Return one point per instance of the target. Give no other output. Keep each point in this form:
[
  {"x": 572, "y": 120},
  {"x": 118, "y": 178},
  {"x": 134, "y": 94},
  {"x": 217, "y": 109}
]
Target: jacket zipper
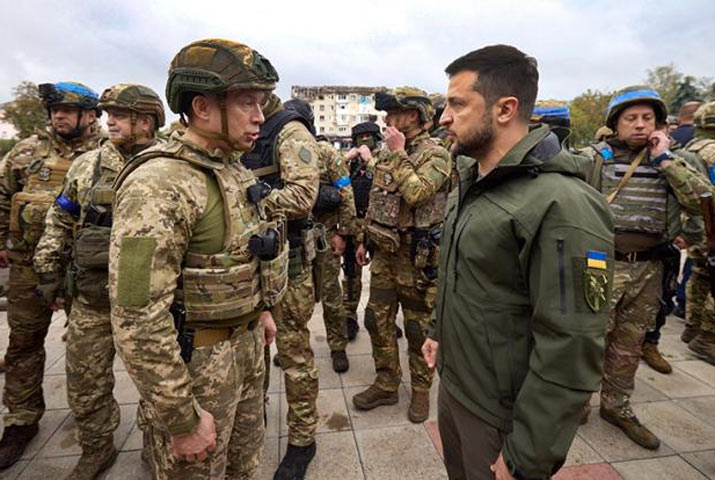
[{"x": 562, "y": 276}]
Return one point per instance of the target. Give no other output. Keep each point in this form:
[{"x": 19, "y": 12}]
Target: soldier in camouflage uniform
[
  {"x": 366, "y": 139},
  {"x": 31, "y": 178},
  {"x": 405, "y": 216},
  {"x": 285, "y": 158},
  {"x": 82, "y": 214},
  {"x": 699, "y": 331},
  {"x": 641, "y": 238},
  {"x": 335, "y": 210},
  {"x": 191, "y": 252}
]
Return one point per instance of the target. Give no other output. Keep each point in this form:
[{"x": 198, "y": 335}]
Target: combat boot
[
  {"x": 14, "y": 441},
  {"x": 632, "y": 428},
  {"x": 353, "y": 328},
  {"x": 689, "y": 333},
  {"x": 93, "y": 462},
  {"x": 295, "y": 463},
  {"x": 340, "y": 361},
  {"x": 374, "y": 397},
  {"x": 419, "y": 407},
  {"x": 703, "y": 345},
  {"x": 654, "y": 359}
]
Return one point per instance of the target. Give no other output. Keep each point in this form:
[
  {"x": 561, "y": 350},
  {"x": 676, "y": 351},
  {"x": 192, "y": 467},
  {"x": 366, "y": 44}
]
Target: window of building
[
  {"x": 332, "y": 107},
  {"x": 322, "y": 108},
  {"x": 352, "y": 118},
  {"x": 352, "y": 98},
  {"x": 342, "y": 129},
  {"x": 342, "y": 97},
  {"x": 321, "y": 129},
  {"x": 321, "y": 118}
]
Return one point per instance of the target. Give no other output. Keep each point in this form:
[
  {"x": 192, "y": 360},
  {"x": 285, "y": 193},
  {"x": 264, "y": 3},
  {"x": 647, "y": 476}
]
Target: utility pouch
[
  {"x": 385, "y": 238},
  {"x": 274, "y": 277},
  {"x": 27, "y": 216},
  {"x": 91, "y": 248},
  {"x": 307, "y": 238}
]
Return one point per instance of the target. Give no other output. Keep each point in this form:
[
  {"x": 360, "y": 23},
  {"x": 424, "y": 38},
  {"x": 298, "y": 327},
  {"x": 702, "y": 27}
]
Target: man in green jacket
[{"x": 526, "y": 266}]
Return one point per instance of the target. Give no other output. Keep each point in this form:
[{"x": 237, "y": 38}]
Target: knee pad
[
  {"x": 370, "y": 321},
  {"x": 414, "y": 333}
]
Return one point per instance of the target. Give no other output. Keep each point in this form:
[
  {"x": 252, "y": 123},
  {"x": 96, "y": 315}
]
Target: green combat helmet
[
  {"x": 406, "y": 98},
  {"x": 213, "y": 67},
  {"x": 635, "y": 95},
  {"x": 136, "y": 98},
  {"x": 704, "y": 117}
]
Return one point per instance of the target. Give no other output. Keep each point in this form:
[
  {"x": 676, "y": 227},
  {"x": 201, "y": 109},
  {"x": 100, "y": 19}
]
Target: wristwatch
[{"x": 667, "y": 155}]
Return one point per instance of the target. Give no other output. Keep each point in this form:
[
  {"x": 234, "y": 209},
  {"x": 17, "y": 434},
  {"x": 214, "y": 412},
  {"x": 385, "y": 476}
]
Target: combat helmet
[
  {"x": 552, "y": 112},
  {"x": 635, "y": 95},
  {"x": 704, "y": 116},
  {"x": 137, "y": 98},
  {"x": 215, "y": 65},
  {"x": 406, "y": 98},
  {"x": 73, "y": 94}
]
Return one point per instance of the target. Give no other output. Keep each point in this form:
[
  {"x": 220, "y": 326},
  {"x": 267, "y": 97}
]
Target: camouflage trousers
[
  {"x": 699, "y": 307},
  {"x": 395, "y": 282},
  {"x": 332, "y": 297},
  {"x": 90, "y": 379},
  {"x": 29, "y": 320},
  {"x": 634, "y": 306},
  {"x": 292, "y": 315},
  {"x": 352, "y": 289},
  {"x": 227, "y": 380}
]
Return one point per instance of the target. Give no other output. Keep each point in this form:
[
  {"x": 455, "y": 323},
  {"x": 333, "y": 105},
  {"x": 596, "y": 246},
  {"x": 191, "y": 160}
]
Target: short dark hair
[{"x": 503, "y": 71}]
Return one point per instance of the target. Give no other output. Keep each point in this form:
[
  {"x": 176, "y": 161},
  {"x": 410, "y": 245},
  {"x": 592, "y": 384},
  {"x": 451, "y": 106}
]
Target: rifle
[
  {"x": 350, "y": 266},
  {"x": 706, "y": 206}
]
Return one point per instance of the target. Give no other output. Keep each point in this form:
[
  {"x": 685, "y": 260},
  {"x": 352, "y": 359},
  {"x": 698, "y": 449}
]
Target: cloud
[{"x": 579, "y": 45}]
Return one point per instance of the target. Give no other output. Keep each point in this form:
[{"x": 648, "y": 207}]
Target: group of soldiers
[{"x": 189, "y": 256}]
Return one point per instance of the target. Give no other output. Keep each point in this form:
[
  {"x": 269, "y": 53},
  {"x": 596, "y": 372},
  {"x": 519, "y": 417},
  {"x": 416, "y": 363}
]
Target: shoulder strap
[
  {"x": 143, "y": 157},
  {"x": 629, "y": 173}
]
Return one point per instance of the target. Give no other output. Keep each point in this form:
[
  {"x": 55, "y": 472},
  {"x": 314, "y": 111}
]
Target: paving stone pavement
[{"x": 383, "y": 444}]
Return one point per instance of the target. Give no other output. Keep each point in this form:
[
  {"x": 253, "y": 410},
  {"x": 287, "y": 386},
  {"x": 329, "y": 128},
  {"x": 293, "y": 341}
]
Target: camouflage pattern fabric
[
  {"x": 332, "y": 298},
  {"x": 634, "y": 305},
  {"x": 90, "y": 379},
  {"x": 350, "y": 305},
  {"x": 297, "y": 360},
  {"x": 227, "y": 380},
  {"x": 28, "y": 318},
  {"x": 699, "y": 308},
  {"x": 421, "y": 171}
]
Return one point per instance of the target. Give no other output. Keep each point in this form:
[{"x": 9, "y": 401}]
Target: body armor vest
[
  {"x": 696, "y": 146},
  {"x": 46, "y": 175},
  {"x": 232, "y": 283},
  {"x": 641, "y": 204}
]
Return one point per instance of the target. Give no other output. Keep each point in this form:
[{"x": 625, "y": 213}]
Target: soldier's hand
[
  {"x": 352, "y": 153},
  {"x": 337, "y": 244},
  {"x": 365, "y": 152},
  {"x": 501, "y": 472},
  {"x": 394, "y": 139},
  {"x": 658, "y": 143},
  {"x": 4, "y": 261},
  {"x": 361, "y": 255},
  {"x": 48, "y": 289},
  {"x": 429, "y": 352},
  {"x": 269, "y": 327},
  {"x": 195, "y": 446},
  {"x": 680, "y": 242}
]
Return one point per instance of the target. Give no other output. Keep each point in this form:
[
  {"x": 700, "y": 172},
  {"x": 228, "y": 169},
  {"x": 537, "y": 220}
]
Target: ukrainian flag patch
[{"x": 596, "y": 259}]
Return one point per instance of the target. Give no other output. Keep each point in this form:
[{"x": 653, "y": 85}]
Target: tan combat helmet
[
  {"x": 406, "y": 98},
  {"x": 603, "y": 133},
  {"x": 136, "y": 98},
  {"x": 704, "y": 117}
]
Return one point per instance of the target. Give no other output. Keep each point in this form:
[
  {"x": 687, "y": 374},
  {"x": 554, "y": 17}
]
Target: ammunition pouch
[
  {"x": 27, "y": 218},
  {"x": 91, "y": 259},
  {"x": 328, "y": 198},
  {"x": 386, "y": 239},
  {"x": 274, "y": 277},
  {"x": 432, "y": 213},
  {"x": 384, "y": 203}
]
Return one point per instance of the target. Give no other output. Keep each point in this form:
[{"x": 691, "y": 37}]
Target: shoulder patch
[
  {"x": 595, "y": 281},
  {"x": 305, "y": 155},
  {"x": 134, "y": 275}
]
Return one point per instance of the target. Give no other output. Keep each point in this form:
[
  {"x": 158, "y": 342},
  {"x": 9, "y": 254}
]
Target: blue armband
[
  {"x": 711, "y": 173},
  {"x": 67, "y": 205},
  {"x": 342, "y": 182}
]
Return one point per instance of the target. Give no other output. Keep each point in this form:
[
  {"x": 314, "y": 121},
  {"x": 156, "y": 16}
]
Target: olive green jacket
[{"x": 520, "y": 347}]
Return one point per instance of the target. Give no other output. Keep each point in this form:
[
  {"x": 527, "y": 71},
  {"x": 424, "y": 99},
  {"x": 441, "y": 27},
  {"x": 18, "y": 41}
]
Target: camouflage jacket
[
  {"x": 421, "y": 169},
  {"x": 333, "y": 169},
  {"x": 297, "y": 152},
  {"x": 15, "y": 171},
  {"x": 704, "y": 149},
  {"x": 157, "y": 212},
  {"x": 60, "y": 225}
]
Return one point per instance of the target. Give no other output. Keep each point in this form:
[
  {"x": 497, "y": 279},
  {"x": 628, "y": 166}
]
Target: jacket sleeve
[
  {"x": 687, "y": 184},
  {"x": 298, "y": 157},
  {"x": 12, "y": 170},
  {"x": 419, "y": 183},
  {"x": 339, "y": 174},
  {"x": 566, "y": 362},
  {"x": 154, "y": 214},
  {"x": 59, "y": 224}
]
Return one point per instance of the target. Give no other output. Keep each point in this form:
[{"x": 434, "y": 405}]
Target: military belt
[{"x": 205, "y": 337}]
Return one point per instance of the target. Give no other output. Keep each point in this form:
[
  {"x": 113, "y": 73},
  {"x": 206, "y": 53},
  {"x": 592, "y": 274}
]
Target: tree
[
  {"x": 665, "y": 80},
  {"x": 686, "y": 92},
  {"x": 26, "y": 113},
  {"x": 588, "y": 113}
]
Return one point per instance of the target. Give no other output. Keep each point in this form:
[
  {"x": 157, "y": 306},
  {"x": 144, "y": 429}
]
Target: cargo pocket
[{"x": 274, "y": 277}]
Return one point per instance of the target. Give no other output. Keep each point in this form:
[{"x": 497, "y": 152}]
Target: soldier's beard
[{"x": 478, "y": 141}]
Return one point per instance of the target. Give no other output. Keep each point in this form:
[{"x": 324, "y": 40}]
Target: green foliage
[
  {"x": 665, "y": 79},
  {"x": 686, "y": 92},
  {"x": 588, "y": 113},
  {"x": 6, "y": 145},
  {"x": 26, "y": 113}
]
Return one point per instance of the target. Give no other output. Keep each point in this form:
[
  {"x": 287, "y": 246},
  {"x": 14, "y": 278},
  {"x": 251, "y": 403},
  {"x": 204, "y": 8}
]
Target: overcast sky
[{"x": 579, "y": 44}]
